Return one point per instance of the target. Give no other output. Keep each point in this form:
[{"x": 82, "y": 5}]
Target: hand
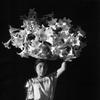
[{"x": 67, "y": 59}]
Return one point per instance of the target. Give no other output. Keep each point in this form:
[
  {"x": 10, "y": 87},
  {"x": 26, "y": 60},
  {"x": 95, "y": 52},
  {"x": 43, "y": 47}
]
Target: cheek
[
  {"x": 37, "y": 70},
  {"x": 42, "y": 69}
]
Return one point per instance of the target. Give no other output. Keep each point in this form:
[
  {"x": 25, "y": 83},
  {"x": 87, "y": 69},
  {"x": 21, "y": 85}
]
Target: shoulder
[
  {"x": 37, "y": 80},
  {"x": 46, "y": 78},
  {"x": 53, "y": 75},
  {"x": 34, "y": 80}
]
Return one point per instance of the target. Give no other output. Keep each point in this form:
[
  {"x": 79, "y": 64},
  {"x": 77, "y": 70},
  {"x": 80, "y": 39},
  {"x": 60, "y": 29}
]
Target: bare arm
[{"x": 61, "y": 69}]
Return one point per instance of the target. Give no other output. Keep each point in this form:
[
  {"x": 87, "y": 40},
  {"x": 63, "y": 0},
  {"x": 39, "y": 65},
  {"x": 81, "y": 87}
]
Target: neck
[{"x": 38, "y": 76}]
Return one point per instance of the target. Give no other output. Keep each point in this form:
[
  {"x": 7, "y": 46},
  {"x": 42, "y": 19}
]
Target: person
[{"x": 43, "y": 87}]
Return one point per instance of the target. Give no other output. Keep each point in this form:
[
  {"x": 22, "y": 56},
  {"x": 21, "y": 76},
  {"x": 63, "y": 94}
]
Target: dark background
[{"x": 81, "y": 79}]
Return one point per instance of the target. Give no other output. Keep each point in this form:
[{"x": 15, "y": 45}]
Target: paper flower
[{"x": 56, "y": 40}]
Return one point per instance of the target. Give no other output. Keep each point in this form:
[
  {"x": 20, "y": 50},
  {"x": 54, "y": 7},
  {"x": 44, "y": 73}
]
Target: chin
[{"x": 40, "y": 75}]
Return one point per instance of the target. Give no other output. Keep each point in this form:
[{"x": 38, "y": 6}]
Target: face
[{"x": 39, "y": 69}]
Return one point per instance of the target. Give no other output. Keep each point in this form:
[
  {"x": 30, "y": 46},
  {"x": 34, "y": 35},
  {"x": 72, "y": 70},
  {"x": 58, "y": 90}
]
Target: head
[{"x": 40, "y": 68}]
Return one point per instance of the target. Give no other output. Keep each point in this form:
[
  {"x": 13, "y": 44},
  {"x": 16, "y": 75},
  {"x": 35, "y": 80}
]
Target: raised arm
[{"x": 61, "y": 69}]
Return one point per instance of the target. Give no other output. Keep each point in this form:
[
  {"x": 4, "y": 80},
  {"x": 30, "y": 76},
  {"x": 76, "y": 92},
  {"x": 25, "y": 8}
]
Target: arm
[{"x": 61, "y": 69}]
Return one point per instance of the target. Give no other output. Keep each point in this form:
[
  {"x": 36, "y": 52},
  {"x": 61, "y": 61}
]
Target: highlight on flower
[{"x": 46, "y": 38}]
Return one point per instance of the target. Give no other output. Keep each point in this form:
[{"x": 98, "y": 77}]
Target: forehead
[{"x": 41, "y": 63}]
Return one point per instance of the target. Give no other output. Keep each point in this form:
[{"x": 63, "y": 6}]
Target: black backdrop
[{"x": 80, "y": 81}]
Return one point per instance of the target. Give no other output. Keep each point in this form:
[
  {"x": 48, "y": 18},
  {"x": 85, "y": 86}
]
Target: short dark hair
[{"x": 45, "y": 67}]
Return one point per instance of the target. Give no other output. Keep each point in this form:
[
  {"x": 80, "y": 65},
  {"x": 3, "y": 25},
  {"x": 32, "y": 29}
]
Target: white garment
[{"x": 41, "y": 89}]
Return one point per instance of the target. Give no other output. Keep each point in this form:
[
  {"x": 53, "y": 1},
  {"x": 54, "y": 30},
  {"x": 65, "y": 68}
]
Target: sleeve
[
  {"x": 53, "y": 77},
  {"x": 30, "y": 91}
]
